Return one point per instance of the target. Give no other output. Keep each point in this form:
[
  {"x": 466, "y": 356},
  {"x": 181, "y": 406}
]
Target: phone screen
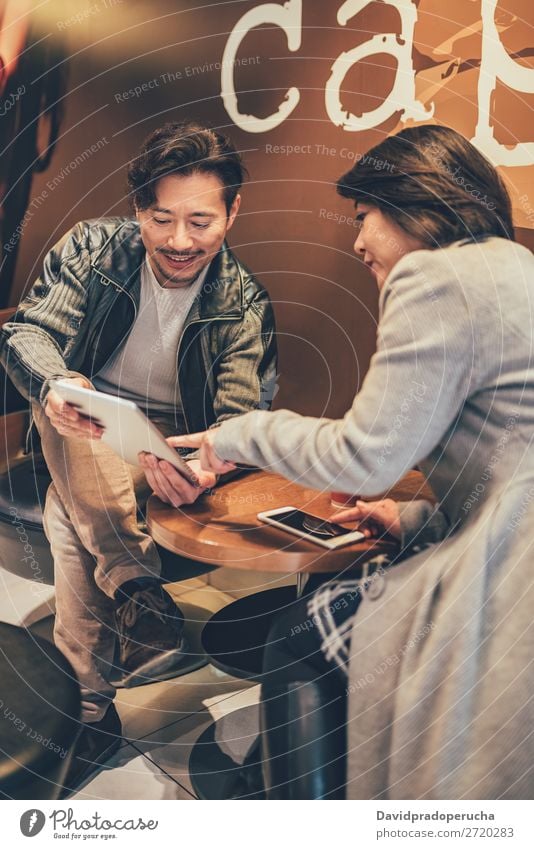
[{"x": 311, "y": 525}]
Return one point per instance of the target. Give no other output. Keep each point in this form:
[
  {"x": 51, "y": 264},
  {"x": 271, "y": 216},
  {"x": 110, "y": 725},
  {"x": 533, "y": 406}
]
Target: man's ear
[{"x": 234, "y": 209}]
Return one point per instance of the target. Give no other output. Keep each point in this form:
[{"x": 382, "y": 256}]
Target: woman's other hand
[{"x": 373, "y": 517}]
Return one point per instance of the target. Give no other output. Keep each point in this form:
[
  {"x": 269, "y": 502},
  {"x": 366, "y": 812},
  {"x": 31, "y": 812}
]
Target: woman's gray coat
[{"x": 442, "y": 675}]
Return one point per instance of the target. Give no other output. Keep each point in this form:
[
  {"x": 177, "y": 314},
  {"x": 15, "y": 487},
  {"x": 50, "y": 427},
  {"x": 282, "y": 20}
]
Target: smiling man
[
  {"x": 156, "y": 309},
  {"x": 184, "y": 227}
]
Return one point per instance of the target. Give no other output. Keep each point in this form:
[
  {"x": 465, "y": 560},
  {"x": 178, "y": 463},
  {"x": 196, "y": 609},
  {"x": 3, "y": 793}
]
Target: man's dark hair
[
  {"x": 184, "y": 149},
  {"x": 435, "y": 184}
]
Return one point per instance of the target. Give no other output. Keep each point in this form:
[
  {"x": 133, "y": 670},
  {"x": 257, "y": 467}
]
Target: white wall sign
[
  {"x": 495, "y": 64},
  {"x": 289, "y": 18}
]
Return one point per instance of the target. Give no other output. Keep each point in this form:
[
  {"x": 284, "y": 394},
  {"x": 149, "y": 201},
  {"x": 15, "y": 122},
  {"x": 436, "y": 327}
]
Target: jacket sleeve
[
  {"x": 34, "y": 346},
  {"x": 246, "y": 368},
  {"x": 420, "y": 377},
  {"x": 422, "y": 523}
]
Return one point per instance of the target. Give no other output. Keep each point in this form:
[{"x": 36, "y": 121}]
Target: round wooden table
[{"x": 222, "y": 529}]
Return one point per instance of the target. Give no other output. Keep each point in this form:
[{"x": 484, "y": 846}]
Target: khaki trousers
[{"x": 90, "y": 520}]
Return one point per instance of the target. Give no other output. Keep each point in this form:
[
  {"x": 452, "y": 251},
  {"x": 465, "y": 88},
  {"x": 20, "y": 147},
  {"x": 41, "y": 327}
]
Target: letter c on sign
[{"x": 289, "y": 18}]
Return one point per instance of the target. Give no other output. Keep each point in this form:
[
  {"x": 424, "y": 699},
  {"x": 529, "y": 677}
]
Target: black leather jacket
[{"x": 84, "y": 304}]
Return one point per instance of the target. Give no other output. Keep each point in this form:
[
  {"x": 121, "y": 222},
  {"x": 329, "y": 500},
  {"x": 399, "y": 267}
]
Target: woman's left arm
[{"x": 420, "y": 377}]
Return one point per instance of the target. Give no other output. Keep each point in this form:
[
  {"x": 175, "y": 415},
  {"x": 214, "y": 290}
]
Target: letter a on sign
[
  {"x": 402, "y": 97},
  {"x": 289, "y": 18}
]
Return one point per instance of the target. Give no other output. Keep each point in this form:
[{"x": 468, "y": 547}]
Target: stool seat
[
  {"x": 234, "y": 638},
  {"x": 39, "y": 715}
]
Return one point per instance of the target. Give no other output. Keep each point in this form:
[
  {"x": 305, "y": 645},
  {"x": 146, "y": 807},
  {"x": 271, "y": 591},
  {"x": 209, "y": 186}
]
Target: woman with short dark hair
[
  {"x": 435, "y": 185},
  {"x": 433, "y": 650}
]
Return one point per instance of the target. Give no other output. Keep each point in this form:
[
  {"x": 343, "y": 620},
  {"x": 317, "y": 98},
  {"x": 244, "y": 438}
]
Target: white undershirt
[{"x": 143, "y": 369}]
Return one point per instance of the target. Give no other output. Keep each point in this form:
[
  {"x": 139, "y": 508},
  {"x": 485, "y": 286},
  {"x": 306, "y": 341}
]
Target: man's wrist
[{"x": 67, "y": 375}]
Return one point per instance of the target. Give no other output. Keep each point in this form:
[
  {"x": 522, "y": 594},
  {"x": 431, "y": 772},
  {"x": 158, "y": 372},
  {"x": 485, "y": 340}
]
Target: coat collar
[{"x": 119, "y": 262}]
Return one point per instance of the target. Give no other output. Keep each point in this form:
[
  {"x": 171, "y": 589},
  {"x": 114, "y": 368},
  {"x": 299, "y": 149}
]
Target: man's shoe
[
  {"x": 96, "y": 743},
  {"x": 152, "y": 646}
]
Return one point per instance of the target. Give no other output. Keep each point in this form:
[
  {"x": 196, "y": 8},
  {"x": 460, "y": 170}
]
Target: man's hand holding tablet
[
  {"x": 77, "y": 410},
  {"x": 65, "y": 417},
  {"x": 169, "y": 485}
]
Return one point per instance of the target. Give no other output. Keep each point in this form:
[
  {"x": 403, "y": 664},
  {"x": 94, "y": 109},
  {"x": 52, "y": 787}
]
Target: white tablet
[{"x": 126, "y": 428}]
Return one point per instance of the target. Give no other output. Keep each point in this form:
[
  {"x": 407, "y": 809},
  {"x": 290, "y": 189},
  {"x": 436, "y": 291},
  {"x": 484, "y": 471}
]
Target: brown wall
[{"x": 325, "y": 302}]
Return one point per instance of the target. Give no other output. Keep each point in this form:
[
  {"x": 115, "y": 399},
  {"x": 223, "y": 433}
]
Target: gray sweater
[
  {"x": 143, "y": 368},
  {"x": 441, "y": 670}
]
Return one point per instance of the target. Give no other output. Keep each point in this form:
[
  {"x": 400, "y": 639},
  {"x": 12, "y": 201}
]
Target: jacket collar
[{"x": 119, "y": 262}]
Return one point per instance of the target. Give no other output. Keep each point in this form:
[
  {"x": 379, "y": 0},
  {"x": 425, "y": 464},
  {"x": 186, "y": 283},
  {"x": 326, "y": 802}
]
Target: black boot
[{"x": 303, "y": 725}]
